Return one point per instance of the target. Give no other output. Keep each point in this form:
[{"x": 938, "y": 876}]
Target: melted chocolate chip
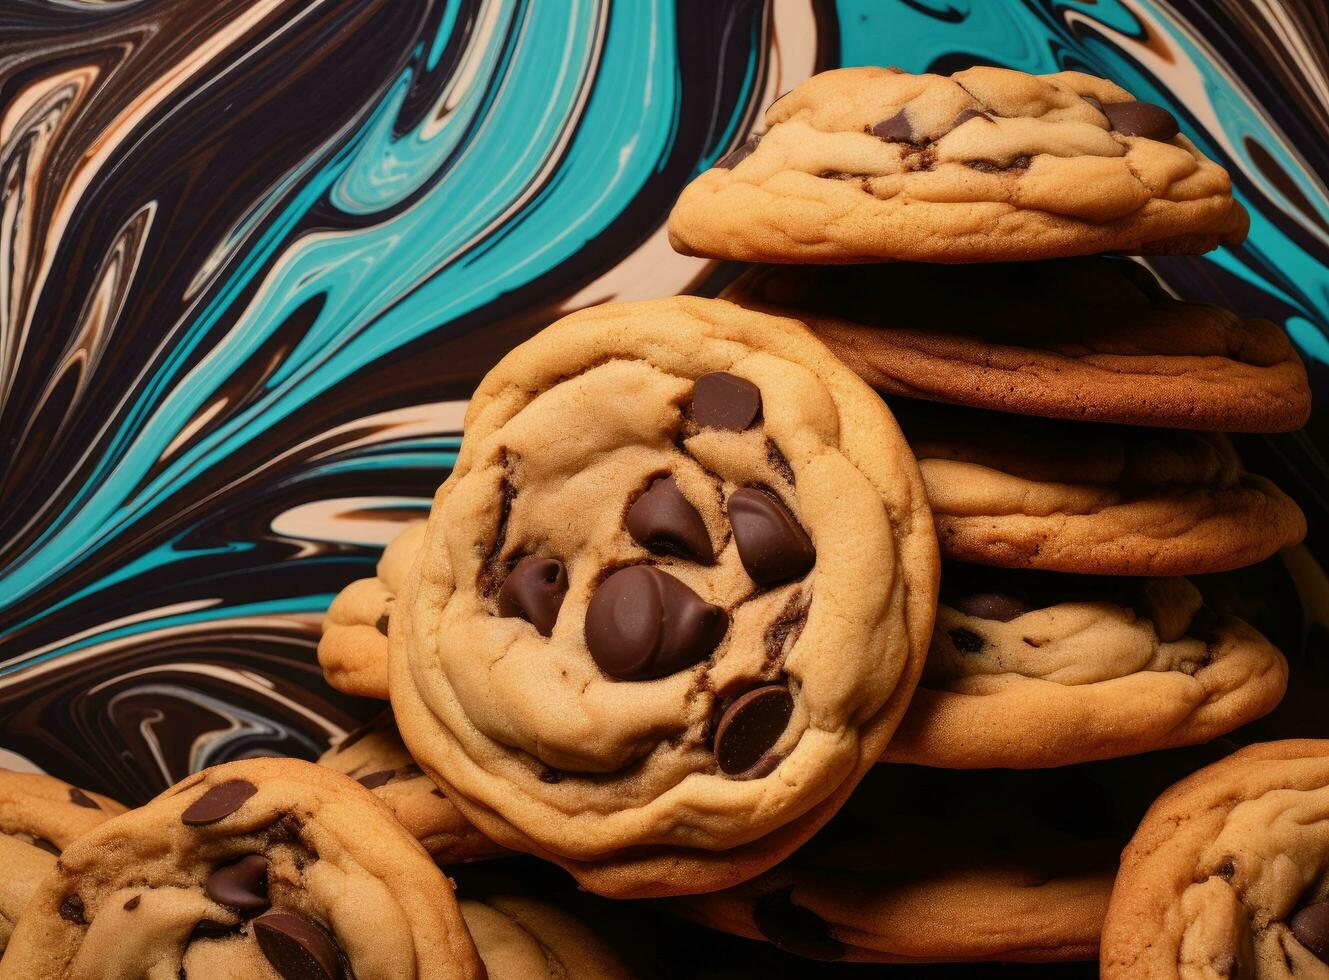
[
  {"x": 748, "y": 730},
  {"x": 296, "y": 948},
  {"x": 795, "y": 928},
  {"x": 80, "y": 798},
  {"x": 240, "y": 885},
  {"x": 725, "y": 401},
  {"x": 965, "y": 115},
  {"x": 896, "y": 129},
  {"x": 382, "y": 624},
  {"x": 991, "y": 605},
  {"x": 376, "y": 779},
  {"x": 1145, "y": 119},
  {"x": 966, "y": 641},
  {"x": 662, "y": 521},
  {"x": 71, "y": 910},
  {"x": 219, "y": 802},
  {"x": 771, "y": 544},
  {"x": 1310, "y": 926},
  {"x": 534, "y": 590},
  {"x": 133, "y": 903},
  {"x": 642, "y": 624},
  {"x": 46, "y": 846},
  {"x": 740, "y": 153}
]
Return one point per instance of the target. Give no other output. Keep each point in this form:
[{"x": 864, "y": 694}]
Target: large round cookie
[
  {"x": 672, "y": 601},
  {"x": 273, "y": 869},
  {"x": 1023, "y": 492},
  {"x": 986, "y": 165},
  {"x": 1035, "y": 669},
  {"x": 39, "y": 817},
  {"x": 1092, "y": 338},
  {"x": 1226, "y": 875},
  {"x": 353, "y": 650},
  {"x": 375, "y": 757}
]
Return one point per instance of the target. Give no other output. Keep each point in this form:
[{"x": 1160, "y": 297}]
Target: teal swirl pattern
[{"x": 255, "y": 254}]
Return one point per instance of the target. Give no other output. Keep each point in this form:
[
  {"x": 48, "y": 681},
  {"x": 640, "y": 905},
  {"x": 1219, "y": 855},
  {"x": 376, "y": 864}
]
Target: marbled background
[{"x": 255, "y": 254}]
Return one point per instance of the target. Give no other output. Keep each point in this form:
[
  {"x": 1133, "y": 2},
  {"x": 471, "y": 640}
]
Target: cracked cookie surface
[
  {"x": 1032, "y": 669},
  {"x": 1022, "y": 492},
  {"x": 986, "y": 165},
  {"x": 1226, "y": 875},
  {"x": 1095, "y": 338},
  {"x": 672, "y": 601},
  {"x": 273, "y": 869}
]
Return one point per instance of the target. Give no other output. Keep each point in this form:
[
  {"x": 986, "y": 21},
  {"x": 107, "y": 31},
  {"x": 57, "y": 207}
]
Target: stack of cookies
[{"x": 700, "y": 616}]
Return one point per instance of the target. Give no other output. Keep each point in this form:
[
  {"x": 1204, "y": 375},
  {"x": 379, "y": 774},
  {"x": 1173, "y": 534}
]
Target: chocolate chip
[
  {"x": 741, "y": 153},
  {"x": 1153, "y": 122},
  {"x": 133, "y": 903},
  {"x": 965, "y": 115},
  {"x": 896, "y": 129},
  {"x": 46, "y": 846},
  {"x": 382, "y": 624},
  {"x": 534, "y": 590},
  {"x": 296, "y": 948},
  {"x": 1093, "y": 102},
  {"x": 661, "y": 520},
  {"x": 795, "y": 928},
  {"x": 748, "y": 730},
  {"x": 771, "y": 544},
  {"x": 219, "y": 802},
  {"x": 725, "y": 401},
  {"x": 71, "y": 910},
  {"x": 80, "y": 798},
  {"x": 1310, "y": 926},
  {"x": 991, "y": 605},
  {"x": 642, "y": 623},
  {"x": 410, "y": 771},
  {"x": 965, "y": 641},
  {"x": 376, "y": 779},
  {"x": 240, "y": 885}
]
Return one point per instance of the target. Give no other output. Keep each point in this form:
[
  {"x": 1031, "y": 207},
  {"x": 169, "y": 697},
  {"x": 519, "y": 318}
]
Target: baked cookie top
[
  {"x": 1225, "y": 877},
  {"x": 1034, "y": 669},
  {"x": 274, "y": 869},
  {"x": 1094, "y": 338},
  {"x": 1022, "y": 492},
  {"x": 375, "y": 757},
  {"x": 672, "y": 600},
  {"x": 988, "y": 164}
]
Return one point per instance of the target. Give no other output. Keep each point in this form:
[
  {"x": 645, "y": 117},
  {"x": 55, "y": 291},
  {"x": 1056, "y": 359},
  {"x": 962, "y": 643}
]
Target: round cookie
[
  {"x": 672, "y": 600},
  {"x": 986, "y": 165},
  {"x": 1095, "y": 338},
  {"x": 523, "y": 938},
  {"x": 375, "y": 757},
  {"x": 264, "y": 868},
  {"x": 1022, "y": 492},
  {"x": 1225, "y": 877},
  {"x": 39, "y": 817},
  {"x": 353, "y": 650},
  {"x": 1035, "y": 669}
]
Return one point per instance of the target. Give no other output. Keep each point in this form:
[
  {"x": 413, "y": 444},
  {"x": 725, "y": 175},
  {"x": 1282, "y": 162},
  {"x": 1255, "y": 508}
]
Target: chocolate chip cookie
[
  {"x": 1032, "y": 669},
  {"x": 1226, "y": 875},
  {"x": 1021, "y": 492},
  {"x": 1094, "y": 338},
  {"x": 39, "y": 817},
  {"x": 520, "y": 937},
  {"x": 376, "y": 758},
  {"x": 671, "y": 602},
  {"x": 986, "y": 165},
  {"x": 261, "y": 868},
  {"x": 353, "y": 651}
]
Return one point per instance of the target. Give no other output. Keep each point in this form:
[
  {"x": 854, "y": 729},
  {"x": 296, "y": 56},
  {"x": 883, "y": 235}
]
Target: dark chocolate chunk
[
  {"x": 297, "y": 948},
  {"x": 71, "y": 909},
  {"x": 740, "y": 153},
  {"x": 46, "y": 846},
  {"x": 382, "y": 623},
  {"x": 991, "y": 605},
  {"x": 219, "y": 802},
  {"x": 1310, "y": 926},
  {"x": 133, "y": 903},
  {"x": 661, "y": 520},
  {"x": 749, "y": 728},
  {"x": 1153, "y": 122},
  {"x": 80, "y": 798},
  {"x": 771, "y": 544},
  {"x": 795, "y": 928},
  {"x": 725, "y": 401},
  {"x": 896, "y": 129},
  {"x": 242, "y": 885},
  {"x": 966, "y": 641},
  {"x": 534, "y": 590},
  {"x": 642, "y": 623},
  {"x": 965, "y": 115},
  {"x": 376, "y": 779}
]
